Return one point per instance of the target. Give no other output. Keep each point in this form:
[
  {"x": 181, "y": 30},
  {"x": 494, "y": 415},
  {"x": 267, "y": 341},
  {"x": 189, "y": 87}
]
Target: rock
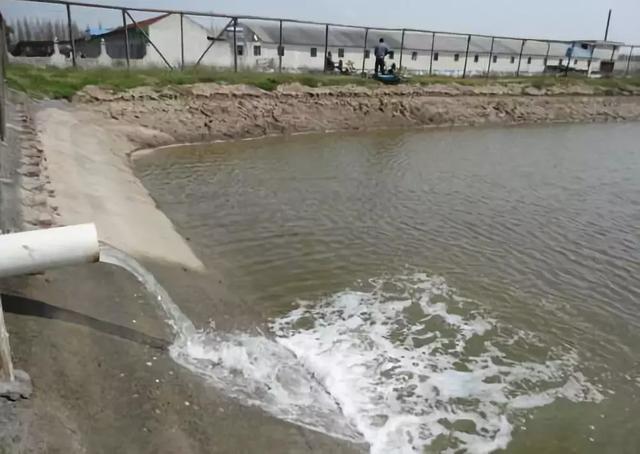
[
  {"x": 35, "y": 200},
  {"x": 31, "y": 161},
  {"x": 32, "y": 184},
  {"x": 92, "y": 93},
  {"x": 533, "y": 91},
  {"x": 45, "y": 220},
  {"x": 30, "y": 171},
  {"x": 32, "y": 153}
]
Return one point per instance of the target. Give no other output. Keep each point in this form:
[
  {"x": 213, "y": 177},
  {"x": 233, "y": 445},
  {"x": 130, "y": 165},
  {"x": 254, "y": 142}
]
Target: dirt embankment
[{"x": 203, "y": 112}]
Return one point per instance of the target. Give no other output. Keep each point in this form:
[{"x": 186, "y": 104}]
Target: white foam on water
[
  {"x": 402, "y": 364},
  {"x": 261, "y": 372},
  {"x": 412, "y": 364},
  {"x": 256, "y": 370}
]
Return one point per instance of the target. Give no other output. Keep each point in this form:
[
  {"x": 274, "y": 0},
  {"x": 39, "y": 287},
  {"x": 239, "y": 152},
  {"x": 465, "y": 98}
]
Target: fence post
[
  {"x": 182, "y": 41},
  {"x": 466, "y": 57},
  {"x": 4, "y": 59},
  {"x": 433, "y": 42},
  {"x": 143, "y": 33},
  {"x": 235, "y": 45},
  {"x": 546, "y": 57},
  {"x": 326, "y": 45},
  {"x": 520, "y": 57},
  {"x": 126, "y": 36},
  {"x": 626, "y": 71},
  {"x": 364, "y": 49},
  {"x": 593, "y": 48},
  {"x": 71, "y": 39},
  {"x": 493, "y": 39},
  {"x": 569, "y": 58},
  {"x": 6, "y": 365},
  {"x": 401, "y": 50},
  {"x": 280, "y": 49}
]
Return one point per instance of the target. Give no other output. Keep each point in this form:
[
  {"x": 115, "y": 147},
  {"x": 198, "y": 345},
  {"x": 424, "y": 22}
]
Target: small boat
[{"x": 389, "y": 79}]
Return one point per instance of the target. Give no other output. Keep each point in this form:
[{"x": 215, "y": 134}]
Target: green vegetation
[
  {"x": 54, "y": 83},
  {"x": 64, "y": 83},
  {"x": 534, "y": 81}
]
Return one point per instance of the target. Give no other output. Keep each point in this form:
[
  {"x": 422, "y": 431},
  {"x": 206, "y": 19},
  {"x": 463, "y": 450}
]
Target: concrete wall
[{"x": 165, "y": 34}]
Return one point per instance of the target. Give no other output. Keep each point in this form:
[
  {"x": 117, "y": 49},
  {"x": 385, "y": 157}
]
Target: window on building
[
  {"x": 314, "y": 51},
  {"x": 560, "y": 62},
  {"x": 367, "y": 53},
  {"x": 513, "y": 59},
  {"x": 341, "y": 53},
  {"x": 436, "y": 56},
  {"x": 528, "y": 60},
  {"x": 414, "y": 56},
  {"x": 240, "y": 49},
  {"x": 281, "y": 51},
  {"x": 575, "y": 62},
  {"x": 476, "y": 58},
  {"x": 257, "y": 51},
  {"x": 392, "y": 54},
  {"x": 456, "y": 57},
  {"x": 495, "y": 59}
]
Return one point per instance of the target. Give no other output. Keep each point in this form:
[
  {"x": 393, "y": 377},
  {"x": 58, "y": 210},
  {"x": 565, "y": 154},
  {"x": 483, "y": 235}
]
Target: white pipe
[{"x": 38, "y": 250}]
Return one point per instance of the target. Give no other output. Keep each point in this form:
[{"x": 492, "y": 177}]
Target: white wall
[
  {"x": 298, "y": 58},
  {"x": 165, "y": 34}
]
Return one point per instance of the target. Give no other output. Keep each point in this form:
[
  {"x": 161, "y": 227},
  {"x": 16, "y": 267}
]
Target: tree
[{"x": 44, "y": 30}]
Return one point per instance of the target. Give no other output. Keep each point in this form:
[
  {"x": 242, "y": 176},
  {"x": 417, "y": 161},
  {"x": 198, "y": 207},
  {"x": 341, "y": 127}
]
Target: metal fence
[
  {"x": 243, "y": 42},
  {"x": 3, "y": 68}
]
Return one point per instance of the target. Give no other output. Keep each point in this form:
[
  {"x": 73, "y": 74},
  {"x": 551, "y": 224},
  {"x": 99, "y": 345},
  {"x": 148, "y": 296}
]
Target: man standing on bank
[{"x": 381, "y": 51}]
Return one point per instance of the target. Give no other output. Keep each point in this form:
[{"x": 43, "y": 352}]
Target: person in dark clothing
[
  {"x": 380, "y": 51},
  {"x": 329, "y": 65}
]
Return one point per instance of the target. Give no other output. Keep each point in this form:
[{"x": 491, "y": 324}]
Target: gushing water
[
  {"x": 400, "y": 363},
  {"x": 256, "y": 370},
  {"x": 180, "y": 324}
]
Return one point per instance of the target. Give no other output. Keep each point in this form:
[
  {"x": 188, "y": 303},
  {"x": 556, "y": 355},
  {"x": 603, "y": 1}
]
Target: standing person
[
  {"x": 329, "y": 65},
  {"x": 380, "y": 51}
]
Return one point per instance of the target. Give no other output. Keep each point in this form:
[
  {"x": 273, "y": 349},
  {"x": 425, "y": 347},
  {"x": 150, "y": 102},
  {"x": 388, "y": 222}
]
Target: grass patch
[
  {"x": 59, "y": 83},
  {"x": 56, "y": 83}
]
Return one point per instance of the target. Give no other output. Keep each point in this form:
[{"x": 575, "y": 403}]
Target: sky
[{"x": 551, "y": 19}]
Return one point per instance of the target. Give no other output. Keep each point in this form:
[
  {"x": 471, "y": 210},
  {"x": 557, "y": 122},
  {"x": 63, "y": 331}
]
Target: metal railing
[
  {"x": 465, "y": 49},
  {"x": 3, "y": 89}
]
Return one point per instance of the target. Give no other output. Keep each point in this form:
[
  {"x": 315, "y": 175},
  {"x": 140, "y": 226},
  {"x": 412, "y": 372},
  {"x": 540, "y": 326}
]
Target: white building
[
  {"x": 164, "y": 32},
  {"x": 272, "y": 46}
]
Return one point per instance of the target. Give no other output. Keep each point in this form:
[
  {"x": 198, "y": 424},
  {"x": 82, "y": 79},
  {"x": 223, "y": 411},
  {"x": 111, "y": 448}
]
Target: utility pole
[{"x": 606, "y": 32}]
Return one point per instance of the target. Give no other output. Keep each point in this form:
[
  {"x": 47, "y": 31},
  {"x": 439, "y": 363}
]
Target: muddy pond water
[{"x": 467, "y": 289}]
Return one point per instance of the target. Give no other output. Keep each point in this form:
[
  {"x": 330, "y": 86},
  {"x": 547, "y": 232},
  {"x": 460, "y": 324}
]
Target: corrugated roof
[
  {"x": 292, "y": 34},
  {"x": 347, "y": 37},
  {"x": 141, "y": 24},
  {"x": 301, "y": 34}
]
